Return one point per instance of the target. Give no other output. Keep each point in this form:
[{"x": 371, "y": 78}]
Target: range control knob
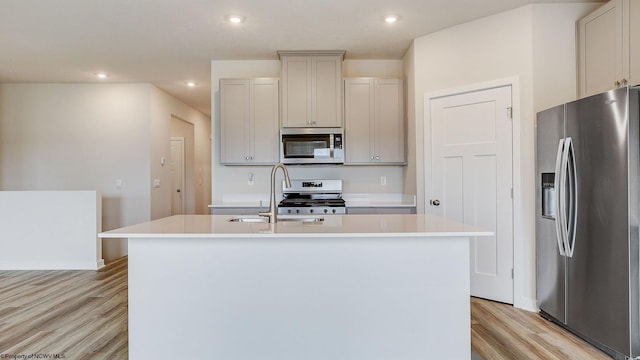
[
  {"x": 311, "y": 211},
  {"x": 326, "y": 211},
  {"x": 297, "y": 211},
  {"x": 333, "y": 211},
  {"x": 289, "y": 211}
]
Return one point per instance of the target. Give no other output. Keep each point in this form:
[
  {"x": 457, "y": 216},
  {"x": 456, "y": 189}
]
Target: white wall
[
  {"x": 163, "y": 108},
  {"x": 555, "y": 53},
  {"x": 534, "y": 44},
  {"x": 79, "y": 137},
  {"x": 411, "y": 178},
  {"x": 88, "y": 136},
  {"x": 356, "y": 179},
  {"x": 36, "y": 235}
]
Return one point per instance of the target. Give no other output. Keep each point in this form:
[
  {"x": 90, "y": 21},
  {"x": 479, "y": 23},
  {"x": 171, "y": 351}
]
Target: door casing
[{"x": 523, "y": 260}]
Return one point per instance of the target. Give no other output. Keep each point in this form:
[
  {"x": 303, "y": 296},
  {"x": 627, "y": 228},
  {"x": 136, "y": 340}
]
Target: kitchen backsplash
[{"x": 356, "y": 179}]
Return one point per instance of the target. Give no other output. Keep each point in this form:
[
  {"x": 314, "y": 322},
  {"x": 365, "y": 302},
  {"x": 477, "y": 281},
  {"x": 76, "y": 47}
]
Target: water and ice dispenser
[{"x": 548, "y": 196}]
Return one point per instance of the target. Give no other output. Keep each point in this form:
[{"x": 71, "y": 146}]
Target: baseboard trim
[
  {"x": 527, "y": 304},
  {"x": 40, "y": 265}
]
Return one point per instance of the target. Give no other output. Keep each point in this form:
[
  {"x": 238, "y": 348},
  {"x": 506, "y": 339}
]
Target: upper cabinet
[
  {"x": 311, "y": 88},
  {"x": 609, "y": 47},
  {"x": 374, "y": 122},
  {"x": 249, "y": 128}
]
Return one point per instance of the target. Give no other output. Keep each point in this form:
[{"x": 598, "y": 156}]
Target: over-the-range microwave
[{"x": 311, "y": 146}]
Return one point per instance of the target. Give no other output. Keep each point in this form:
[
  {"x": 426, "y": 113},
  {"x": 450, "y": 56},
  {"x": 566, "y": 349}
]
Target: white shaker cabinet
[
  {"x": 609, "y": 47},
  {"x": 249, "y": 128},
  {"x": 311, "y": 88},
  {"x": 374, "y": 122}
]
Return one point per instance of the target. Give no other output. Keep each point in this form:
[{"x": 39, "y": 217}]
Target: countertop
[{"x": 218, "y": 226}]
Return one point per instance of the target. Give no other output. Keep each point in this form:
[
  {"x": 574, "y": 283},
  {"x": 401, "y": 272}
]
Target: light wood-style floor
[
  {"x": 500, "y": 331},
  {"x": 83, "y": 315},
  {"x": 79, "y": 314}
]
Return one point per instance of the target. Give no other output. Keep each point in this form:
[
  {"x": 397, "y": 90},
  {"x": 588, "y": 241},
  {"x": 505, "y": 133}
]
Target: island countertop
[{"x": 212, "y": 226}]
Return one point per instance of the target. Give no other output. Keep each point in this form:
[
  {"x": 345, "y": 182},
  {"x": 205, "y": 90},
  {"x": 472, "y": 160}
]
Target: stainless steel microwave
[{"x": 311, "y": 146}]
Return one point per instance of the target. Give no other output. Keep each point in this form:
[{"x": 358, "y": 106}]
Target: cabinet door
[
  {"x": 296, "y": 91},
  {"x": 359, "y": 109},
  {"x": 632, "y": 18},
  {"x": 327, "y": 91},
  {"x": 600, "y": 44},
  {"x": 389, "y": 121},
  {"x": 381, "y": 210},
  {"x": 264, "y": 121},
  {"x": 234, "y": 121}
]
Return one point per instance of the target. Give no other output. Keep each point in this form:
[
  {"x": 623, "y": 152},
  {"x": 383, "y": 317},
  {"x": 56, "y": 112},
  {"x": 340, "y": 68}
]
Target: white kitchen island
[{"x": 349, "y": 287}]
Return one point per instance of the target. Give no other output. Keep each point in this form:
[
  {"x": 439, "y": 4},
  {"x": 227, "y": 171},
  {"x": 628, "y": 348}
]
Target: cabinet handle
[
  {"x": 246, "y": 158},
  {"x": 624, "y": 82},
  {"x": 371, "y": 157},
  {"x": 617, "y": 83},
  {"x": 435, "y": 202},
  {"x": 377, "y": 157}
]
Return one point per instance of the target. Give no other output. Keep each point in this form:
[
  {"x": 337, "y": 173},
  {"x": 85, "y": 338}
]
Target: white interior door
[
  {"x": 471, "y": 180},
  {"x": 177, "y": 168}
]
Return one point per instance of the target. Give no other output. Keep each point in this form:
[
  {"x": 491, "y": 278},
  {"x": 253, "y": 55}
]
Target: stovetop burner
[
  {"x": 307, "y": 202},
  {"x": 312, "y": 197}
]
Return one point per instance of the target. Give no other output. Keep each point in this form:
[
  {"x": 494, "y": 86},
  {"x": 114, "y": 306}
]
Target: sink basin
[
  {"x": 281, "y": 218},
  {"x": 249, "y": 219}
]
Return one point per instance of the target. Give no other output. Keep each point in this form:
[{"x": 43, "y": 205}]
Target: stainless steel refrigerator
[{"x": 587, "y": 208}]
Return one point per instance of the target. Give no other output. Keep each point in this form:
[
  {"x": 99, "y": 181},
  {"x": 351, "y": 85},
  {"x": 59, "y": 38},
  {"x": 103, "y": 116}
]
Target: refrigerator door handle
[
  {"x": 573, "y": 196},
  {"x": 564, "y": 187},
  {"x": 559, "y": 196}
]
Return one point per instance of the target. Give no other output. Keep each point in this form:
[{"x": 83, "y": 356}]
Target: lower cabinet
[
  {"x": 381, "y": 210},
  {"x": 350, "y": 210},
  {"x": 237, "y": 210}
]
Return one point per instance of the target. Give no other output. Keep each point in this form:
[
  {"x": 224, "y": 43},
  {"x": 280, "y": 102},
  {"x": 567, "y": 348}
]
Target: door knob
[
  {"x": 435, "y": 202},
  {"x": 177, "y": 190}
]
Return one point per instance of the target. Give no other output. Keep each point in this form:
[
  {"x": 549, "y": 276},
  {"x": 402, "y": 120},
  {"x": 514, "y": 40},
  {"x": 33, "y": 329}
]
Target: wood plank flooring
[
  {"x": 83, "y": 315},
  {"x": 76, "y": 314},
  {"x": 500, "y": 331}
]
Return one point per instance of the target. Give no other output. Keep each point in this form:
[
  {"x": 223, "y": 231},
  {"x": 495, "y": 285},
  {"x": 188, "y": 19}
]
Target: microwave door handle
[{"x": 331, "y": 146}]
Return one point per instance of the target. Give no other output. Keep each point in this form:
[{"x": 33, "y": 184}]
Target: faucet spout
[{"x": 273, "y": 210}]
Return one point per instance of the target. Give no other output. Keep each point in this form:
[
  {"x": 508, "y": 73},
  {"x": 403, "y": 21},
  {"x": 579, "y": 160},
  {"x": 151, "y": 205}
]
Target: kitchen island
[{"x": 347, "y": 287}]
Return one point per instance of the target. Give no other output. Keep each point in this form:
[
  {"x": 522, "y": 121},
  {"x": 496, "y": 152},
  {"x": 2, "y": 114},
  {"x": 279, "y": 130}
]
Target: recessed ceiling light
[
  {"x": 101, "y": 75},
  {"x": 191, "y": 84},
  {"x": 391, "y": 18},
  {"x": 235, "y": 19}
]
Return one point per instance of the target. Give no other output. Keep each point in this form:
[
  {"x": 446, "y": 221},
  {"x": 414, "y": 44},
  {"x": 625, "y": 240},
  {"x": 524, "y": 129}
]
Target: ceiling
[{"x": 170, "y": 42}]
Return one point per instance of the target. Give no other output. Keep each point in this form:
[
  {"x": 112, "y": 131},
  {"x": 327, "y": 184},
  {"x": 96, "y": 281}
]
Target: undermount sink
[{"x": 281, "y": 218}]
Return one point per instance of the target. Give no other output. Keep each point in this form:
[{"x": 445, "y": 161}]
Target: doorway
[
  {"x": 177, "y": 169},
  {"x": 182, "y": 167},
  {"x": 471, "y": 178}
]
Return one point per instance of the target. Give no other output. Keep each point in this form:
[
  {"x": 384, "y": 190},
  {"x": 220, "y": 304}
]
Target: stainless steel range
[{"x": 312, "y": 197}]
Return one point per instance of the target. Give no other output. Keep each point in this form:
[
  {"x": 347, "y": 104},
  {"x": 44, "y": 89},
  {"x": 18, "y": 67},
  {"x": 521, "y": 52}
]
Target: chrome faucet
[{"x": 273, "y": 207}]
